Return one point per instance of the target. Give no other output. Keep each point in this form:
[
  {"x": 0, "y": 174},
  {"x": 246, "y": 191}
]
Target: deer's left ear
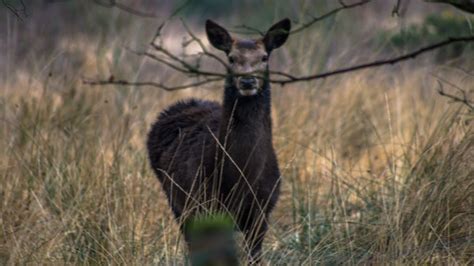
[
  {"x": 277, "y": 35},
  {"x": 218, "y": 36}
]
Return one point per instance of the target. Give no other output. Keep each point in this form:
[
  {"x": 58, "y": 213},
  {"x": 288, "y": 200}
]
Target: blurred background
[{"x": 376, "y": 165}]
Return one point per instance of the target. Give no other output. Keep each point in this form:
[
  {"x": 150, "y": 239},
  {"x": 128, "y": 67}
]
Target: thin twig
[
  {"x": 396, "y": 9},
  {"x": 186, "y": 68},
  {"x": 172, "y": 15},
  {"x": 126, "y": 8},
  {"x": 17, "y": 12},
  {"x": 328, "y": 14},
  {"x": 464, "y": 99},
  {"x": 189, "y": 69},
  {"x": 465, "y": 5},
  {"x": 377, "y": 63},
  {"x": 112, "y": 81},
  {"x": 252, "y": 30},
  {"x": 203, "y": 47},
  {"x": 159, "y": 59}
]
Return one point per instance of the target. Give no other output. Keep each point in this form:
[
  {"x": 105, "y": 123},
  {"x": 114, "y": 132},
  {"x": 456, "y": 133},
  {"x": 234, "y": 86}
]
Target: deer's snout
[{"x": 247, "y": 83}]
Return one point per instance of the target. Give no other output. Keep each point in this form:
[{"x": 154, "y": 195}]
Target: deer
[{"x": 211, "y": 156}]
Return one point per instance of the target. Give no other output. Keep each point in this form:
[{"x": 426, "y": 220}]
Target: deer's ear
[
  {"x": 277, "y": 35},
  {"x": 218, "y": 36}
]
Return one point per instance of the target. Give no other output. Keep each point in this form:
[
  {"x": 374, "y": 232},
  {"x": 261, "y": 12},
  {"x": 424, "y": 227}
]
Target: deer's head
[{"x": 248, "y": 58}]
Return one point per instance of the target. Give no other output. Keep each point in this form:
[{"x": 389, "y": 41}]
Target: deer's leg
[{"x": 254, "y": 232}]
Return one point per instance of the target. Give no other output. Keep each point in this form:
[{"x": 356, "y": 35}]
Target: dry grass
[{"x": 377, "y": 169}]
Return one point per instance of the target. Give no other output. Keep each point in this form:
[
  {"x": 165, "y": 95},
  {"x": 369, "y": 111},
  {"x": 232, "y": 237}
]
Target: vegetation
[
  {"x": 434, "y": 27},
  {"x": 376, "y": 166}
]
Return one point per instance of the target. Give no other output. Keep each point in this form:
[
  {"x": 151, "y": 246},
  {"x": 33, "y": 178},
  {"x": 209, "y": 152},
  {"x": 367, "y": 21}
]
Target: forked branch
[
  {"x": 378, "y": 63},
  {"x": 462, "y": 98},
  {"x": 180, "y": 65},
  {"x": 18, "y": 11},
  {"x": 164, "y": 56},
  {"x": 112, "y": 81},
  {"x": 328, "y": 14},
  {"x": 245, "y": 29}
]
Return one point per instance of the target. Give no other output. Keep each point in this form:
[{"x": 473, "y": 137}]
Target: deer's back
[{"x": 179, "y": 141}]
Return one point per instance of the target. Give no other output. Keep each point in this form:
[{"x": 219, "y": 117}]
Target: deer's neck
[
  {"x": 246, "y": 133},
  {"x": 246, "y": 116}
]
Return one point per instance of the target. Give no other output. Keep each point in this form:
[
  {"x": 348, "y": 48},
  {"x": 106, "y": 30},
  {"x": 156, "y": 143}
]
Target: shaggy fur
[
  {"x": 210, "y": 157},
  {"x": 185, "y": 150}
]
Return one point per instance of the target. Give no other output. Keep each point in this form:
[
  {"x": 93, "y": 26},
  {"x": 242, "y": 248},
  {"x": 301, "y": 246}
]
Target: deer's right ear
[
  {"x": 218, "y": 36},
  {"x": 277, "y": 35}
]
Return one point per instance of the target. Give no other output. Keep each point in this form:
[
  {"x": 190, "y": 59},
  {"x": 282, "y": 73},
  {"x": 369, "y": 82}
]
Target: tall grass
[{"x": 376, "y": 168}]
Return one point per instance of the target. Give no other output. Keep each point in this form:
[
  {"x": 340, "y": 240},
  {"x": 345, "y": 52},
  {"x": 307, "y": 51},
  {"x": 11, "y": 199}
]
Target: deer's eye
[
  {"x": 231, "y": 59},
  {"x": 265, "y": 58}
]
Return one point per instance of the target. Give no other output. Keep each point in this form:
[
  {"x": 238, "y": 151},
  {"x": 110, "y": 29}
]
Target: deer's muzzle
[{"x": 247, "y": 86}]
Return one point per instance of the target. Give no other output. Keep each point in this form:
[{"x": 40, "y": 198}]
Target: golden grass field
[{"x": 377, "y": 168}]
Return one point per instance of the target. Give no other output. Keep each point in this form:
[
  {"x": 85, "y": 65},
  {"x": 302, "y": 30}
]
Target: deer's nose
[{"x": 248, "y": 83}]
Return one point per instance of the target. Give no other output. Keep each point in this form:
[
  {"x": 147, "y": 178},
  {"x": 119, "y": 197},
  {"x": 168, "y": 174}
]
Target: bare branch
[
  {"x": 180, "y": 64},
  {"x": 396, "y": 9},
  {"x": 203, "y": 47},
  {"x": 245, "y": 29},
  {"x": 377, "y": 63},
  {"x": 465, "y": 5},
  {"x": 328, "y": 14},
  {"x": 159, "y": 59},
  {"x": 186, "y": 68},
  {"x": 18, "y": 12},
  {"x": 464, "y": 99},
  {"x": 112, "y": 81},
  {"x": 342, "y": 3},
  {"x": 126, "y": 8}
]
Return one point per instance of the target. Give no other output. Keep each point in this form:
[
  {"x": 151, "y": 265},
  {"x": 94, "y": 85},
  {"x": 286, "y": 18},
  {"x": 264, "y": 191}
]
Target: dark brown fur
[{"x": 210, "y": 157}]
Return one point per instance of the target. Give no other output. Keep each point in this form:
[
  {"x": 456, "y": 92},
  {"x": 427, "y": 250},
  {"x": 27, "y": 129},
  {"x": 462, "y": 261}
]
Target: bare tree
[{"x": 161, "y": 55}]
